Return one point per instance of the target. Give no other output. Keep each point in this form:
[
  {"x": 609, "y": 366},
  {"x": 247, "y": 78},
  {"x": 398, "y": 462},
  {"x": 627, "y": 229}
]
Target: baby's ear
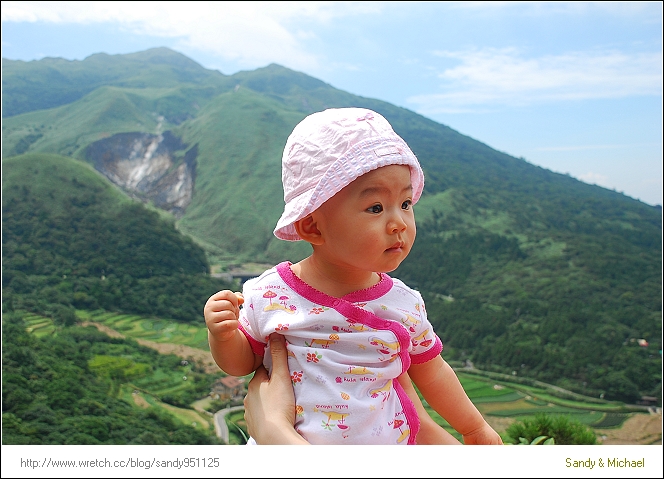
[{"x": 308, "y": 230}]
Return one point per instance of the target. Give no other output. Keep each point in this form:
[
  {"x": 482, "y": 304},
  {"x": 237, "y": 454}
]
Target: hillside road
[{"x": 220, "y": 426}]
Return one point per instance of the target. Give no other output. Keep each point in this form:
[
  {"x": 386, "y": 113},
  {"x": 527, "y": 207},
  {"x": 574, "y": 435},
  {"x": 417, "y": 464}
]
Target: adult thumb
[{"x": 279, "y": 355}]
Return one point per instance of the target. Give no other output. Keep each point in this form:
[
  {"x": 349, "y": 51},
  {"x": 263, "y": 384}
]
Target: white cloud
[
  {"x": 251, "y": 33},
  {"x": 594, "y": 178},
  {"x": 546, "y": 9},
  {"x": 490, "y": 76}
]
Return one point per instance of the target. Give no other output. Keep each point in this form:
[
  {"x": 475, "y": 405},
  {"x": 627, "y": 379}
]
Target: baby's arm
[
  {"x": 441, "y": 388},
  {"x": 229, "y": 346},
  {"x": 430, "y": 432}
]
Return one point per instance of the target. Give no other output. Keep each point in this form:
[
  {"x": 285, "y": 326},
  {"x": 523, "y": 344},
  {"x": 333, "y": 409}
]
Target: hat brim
[{"x": 362, "y": 159}]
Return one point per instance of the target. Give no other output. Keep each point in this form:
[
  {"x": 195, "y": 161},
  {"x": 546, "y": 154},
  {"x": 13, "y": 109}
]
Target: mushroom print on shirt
[{"x": 344, "y": 354}]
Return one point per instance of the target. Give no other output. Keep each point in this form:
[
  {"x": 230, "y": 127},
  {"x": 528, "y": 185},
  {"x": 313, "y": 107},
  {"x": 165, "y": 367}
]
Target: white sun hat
[{"x": 327, "y": 151}]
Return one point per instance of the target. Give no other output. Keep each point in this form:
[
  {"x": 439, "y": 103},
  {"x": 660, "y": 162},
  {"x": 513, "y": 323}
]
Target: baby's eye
[
  {"x": 406, "y": 205},
  {"x": 375, "y": 209}
]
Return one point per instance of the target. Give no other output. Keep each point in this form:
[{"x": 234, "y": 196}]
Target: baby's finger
[
  {"x": 222, "y": 305},
  {"x": 224, "y": 328},
  {"x": 221, "y": 316},
  {"x": 225, "y": 295}
]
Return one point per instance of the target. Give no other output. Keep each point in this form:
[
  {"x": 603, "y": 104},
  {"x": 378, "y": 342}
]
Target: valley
[{"x": 501, "y": 402}]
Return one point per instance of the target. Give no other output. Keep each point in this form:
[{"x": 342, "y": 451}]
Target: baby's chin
[{"x": 389, "y": 269}]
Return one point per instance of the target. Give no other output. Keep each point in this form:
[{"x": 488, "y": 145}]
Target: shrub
[{"x": 562, "y": 429}]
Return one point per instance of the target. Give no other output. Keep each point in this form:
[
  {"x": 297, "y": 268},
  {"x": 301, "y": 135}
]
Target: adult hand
[{"x": 269, "y": 406}]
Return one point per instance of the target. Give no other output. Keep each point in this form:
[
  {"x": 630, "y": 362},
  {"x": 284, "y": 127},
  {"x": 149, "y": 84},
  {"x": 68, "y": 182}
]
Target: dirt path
[
  {"x": 499, "y": 424},
  {"x": 139, "y": 400},
  {"x": 640, "y": 429},
  {"x": 199, "y": 356}
]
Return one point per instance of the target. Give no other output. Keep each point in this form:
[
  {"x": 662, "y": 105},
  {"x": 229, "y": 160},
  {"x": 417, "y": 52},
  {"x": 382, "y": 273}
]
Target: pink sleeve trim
[
  {"x": 256, "y": 346},
  {"x": 429, "y": 354}
]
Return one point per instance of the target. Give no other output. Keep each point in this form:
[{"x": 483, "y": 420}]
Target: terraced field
[
  {"x": 500, "y": 402},
  {"x": 503, "y": 404},
  {"x": 39, "y": 325},
  {"x": 157, "y": 330},
  {"x": 144, "y": 400}
]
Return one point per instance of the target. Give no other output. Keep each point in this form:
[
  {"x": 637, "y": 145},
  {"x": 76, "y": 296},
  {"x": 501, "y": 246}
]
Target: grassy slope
[
  {"x": 48, "y": 173},
  {"x": 575, "y": 242},
  {"x": 240, "y": 136},
  {"x": 68, "y": 129}
]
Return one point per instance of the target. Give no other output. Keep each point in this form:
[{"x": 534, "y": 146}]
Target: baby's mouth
[{"x": 398, "y": 246}]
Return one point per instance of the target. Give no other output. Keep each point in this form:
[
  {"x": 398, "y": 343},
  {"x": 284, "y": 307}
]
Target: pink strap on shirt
[{"x": 347, "y": 309}]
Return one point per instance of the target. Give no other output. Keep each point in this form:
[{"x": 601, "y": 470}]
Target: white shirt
[{"x": 344, "y": 354}]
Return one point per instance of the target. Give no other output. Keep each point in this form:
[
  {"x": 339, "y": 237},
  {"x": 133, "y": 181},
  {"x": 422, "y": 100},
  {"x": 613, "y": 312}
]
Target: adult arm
[{"x": 269, "y": 406}]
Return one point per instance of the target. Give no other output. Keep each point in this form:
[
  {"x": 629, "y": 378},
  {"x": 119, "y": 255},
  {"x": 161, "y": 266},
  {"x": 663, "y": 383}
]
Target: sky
[{"x": 574, "y": 87}]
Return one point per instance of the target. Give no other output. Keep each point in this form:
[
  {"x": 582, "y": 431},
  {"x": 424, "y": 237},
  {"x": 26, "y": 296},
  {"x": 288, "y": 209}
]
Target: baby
[{"x": 353, "y": 332}]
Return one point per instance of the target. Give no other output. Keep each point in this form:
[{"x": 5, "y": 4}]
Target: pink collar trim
[{"x": 381, "y": 288}]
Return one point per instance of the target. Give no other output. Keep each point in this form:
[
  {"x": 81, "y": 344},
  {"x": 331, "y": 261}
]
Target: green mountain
[
  {"x": 524, "y": 270},
  {"x": 72, "y": 240}
]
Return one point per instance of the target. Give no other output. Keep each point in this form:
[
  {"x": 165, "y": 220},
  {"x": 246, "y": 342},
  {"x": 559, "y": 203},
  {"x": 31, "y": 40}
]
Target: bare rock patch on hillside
[{"x": 152, "y": 167}]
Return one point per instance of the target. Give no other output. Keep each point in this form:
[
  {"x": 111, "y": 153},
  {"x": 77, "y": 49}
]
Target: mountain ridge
[
  {"x": 526, "y": 253},
  {"x": 53, "y": 82}
]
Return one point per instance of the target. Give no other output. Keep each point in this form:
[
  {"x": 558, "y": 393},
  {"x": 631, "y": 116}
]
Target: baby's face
[{"x": 370, "y": 223}]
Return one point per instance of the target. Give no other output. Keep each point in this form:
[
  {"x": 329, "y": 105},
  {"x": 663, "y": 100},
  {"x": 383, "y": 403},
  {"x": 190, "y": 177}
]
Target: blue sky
[{"x": 575, "y": 87}]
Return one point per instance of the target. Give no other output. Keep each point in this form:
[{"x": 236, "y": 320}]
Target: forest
[
  {"x": 570, "y": 319},
  {"x": 52, "y": 394}
]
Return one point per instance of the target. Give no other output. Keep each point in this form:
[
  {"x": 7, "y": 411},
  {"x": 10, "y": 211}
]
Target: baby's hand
[
  {"x": 483, "y": 435},
  {"x": 221, "y": 314}
]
